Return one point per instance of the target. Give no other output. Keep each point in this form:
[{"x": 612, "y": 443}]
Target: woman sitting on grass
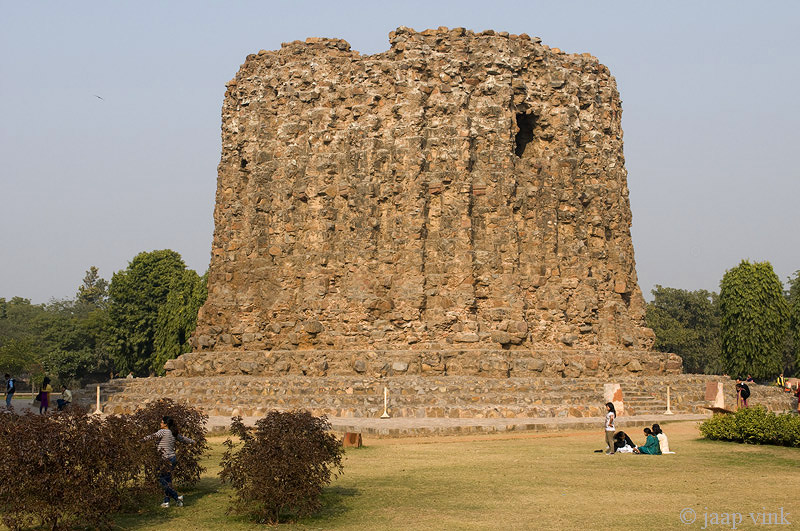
[
  {"x": 663, "y": 442},
  {"x": 651, "y": 446},
  {"x": 623, "y": 443}
]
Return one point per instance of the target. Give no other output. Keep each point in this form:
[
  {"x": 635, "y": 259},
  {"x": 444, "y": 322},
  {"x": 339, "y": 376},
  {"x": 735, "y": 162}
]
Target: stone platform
[
  {"x": 427, "y": 362},
  {"x": 434, "y": 405}
]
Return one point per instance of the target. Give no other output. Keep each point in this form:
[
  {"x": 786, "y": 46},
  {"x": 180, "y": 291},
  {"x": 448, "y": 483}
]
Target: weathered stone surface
[
  {"x": 457, "y": 189},
  {"x": 501, "y": 337},
  {"x": 424, "y": 397},
  {"x": 399, "y": 366},
  {"x": 499, "y": 362}
]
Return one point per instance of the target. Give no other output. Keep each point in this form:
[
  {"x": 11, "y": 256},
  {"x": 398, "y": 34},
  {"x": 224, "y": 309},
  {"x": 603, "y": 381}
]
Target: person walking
[
  {"x": 11, "y": 388},
  {"x": 611, "y": 415},
  {"x": 167, "y": 436},
  {"x": 44, "y": 395}
]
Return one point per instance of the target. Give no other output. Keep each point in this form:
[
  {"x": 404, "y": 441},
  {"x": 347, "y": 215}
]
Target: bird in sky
[{"x": 99, "y": 97}]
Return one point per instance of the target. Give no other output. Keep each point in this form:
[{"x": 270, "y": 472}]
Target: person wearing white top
[
  {"x": 663, "y": 443},
  {"x": 611, "y": 416}
]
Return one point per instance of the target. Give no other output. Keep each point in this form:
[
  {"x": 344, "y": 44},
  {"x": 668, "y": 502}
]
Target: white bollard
[
  {"x": 385, "y": 403},
  {"x": 668, "y": 411}
]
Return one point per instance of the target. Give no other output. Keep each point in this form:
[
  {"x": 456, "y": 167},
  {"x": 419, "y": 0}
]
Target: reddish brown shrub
[
  {"x": 71, "y": 468},
  {"x": 281, "y": 466},
  {"x": 65, "y": 469}
]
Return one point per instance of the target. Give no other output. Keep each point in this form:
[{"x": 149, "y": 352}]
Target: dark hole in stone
[
  {"x": 243, "y": 164},
  {"x": 526, "y": 123},
  {"x": 626, "y": 297}
]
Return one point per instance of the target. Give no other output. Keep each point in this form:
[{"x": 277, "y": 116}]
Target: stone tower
[{"x": 457, "y": 204}]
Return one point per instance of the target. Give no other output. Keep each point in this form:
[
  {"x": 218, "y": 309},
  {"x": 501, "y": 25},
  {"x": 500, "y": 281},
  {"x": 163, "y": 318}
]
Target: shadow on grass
[
  {"x": 150, "y": 513},
  {"x": 209, "y": 494},
  {"x": 334, "y": 504}
]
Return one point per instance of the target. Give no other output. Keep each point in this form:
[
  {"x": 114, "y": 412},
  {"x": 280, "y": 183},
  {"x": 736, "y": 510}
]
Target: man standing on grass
[{"x": 11, "y": 388}]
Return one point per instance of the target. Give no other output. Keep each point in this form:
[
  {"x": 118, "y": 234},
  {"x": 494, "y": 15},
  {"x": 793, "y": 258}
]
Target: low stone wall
[
  {"x": 488, "y": 363},
  {"x": 463, "y": 397}
]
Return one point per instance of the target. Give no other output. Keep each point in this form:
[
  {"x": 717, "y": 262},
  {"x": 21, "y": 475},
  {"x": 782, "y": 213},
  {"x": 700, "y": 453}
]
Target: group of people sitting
[
  {"x": 618, "y": 441},
  {"x": 655, "y": 444}
]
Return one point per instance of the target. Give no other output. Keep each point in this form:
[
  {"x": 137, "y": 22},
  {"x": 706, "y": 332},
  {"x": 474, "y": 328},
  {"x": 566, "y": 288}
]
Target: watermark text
[{"x": 732, "y": 520}]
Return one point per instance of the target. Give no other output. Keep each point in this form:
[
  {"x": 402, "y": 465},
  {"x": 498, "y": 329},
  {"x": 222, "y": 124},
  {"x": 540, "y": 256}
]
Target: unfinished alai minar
[{"x": 455, "y": 205}]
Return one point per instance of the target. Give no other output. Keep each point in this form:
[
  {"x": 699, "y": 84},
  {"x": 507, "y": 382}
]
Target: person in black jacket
[
  {"x": 621, "y": 440},
  {"x": 742, "y": 392}
]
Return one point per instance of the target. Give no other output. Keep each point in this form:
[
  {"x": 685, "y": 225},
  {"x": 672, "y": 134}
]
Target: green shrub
[
  {"x": 720, "y": 428},
  {"x": 65, "y": 469},
  {"x": 281, "y": 465},
  {"x": 754, "y": 425}
]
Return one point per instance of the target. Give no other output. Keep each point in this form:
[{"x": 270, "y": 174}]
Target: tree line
[
  {"x": 133, "y": 324},
  {"x": 751, "y": 327}
]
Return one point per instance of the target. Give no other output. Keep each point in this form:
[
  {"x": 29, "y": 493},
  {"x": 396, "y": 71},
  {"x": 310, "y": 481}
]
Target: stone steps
[{"x": 455, "y": 397}]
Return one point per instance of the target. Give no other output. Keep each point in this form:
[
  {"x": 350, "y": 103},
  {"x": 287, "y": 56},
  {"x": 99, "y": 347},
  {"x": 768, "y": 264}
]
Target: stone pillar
[
  {"x": 715, "y": 394},
  {"x": 352, "y": 440},
  {"x": 612, "y": 392}
]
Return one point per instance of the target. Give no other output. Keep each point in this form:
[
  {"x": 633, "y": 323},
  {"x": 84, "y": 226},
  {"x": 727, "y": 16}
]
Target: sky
[{"x": 110, "y": 122}]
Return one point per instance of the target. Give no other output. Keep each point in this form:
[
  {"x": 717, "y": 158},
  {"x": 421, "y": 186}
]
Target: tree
[
  {"x": 140, "y": 302},
  {"x": 21, "y": 344},
  {"x": 793, "y": 297},
  {"x": 177, "y": 317},
  {"x": 754, "y": 318},
  {"x": 18, "y": 357},
  {"x": 66, "y": 338},
  {"x": 94, "y": 291},
  {"x": 687, "y": 323},
  {"x": 70, "y": 365}
]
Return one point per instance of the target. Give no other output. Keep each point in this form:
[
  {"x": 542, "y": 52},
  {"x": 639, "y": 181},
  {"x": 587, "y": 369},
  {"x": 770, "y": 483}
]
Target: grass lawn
[{"x": 525, "y": 481}]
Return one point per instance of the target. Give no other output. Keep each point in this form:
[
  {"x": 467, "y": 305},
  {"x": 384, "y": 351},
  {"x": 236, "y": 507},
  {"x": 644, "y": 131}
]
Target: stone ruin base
[
  {"x": 432, "y": 397},
  {"x": 498, "y": 363}
]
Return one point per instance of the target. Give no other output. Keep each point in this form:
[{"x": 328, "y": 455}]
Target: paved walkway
[{"x": 410, "y": 427}]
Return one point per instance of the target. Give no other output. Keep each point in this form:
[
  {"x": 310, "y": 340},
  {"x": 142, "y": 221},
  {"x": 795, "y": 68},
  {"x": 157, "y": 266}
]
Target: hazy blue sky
[{"x": 710, "y": 114}]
